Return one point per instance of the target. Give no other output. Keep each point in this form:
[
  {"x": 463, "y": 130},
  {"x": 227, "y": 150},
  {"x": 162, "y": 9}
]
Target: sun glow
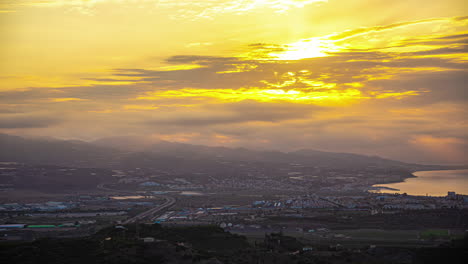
[
  {"x": 327, "y": 97},
  {"x": 307, "y": 48}
]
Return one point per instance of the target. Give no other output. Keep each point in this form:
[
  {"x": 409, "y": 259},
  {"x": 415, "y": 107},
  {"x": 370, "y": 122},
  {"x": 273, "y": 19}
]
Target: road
[
  {"x": 150, "y": 213},
  {"x": 146, "y": 214}
]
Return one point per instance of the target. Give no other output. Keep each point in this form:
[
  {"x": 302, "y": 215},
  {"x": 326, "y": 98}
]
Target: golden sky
[{"x": 365, "y": 76}]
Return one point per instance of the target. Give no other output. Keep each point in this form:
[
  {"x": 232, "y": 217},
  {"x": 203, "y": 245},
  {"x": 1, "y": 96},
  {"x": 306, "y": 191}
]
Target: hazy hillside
[
  {"x": 51, "y": 151},
  {"x": 131, "y": 152},
  {"x": 306, "y": 157}
]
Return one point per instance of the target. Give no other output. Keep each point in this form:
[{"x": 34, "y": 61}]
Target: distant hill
[
  {"x": 133, "y": 152},
  {"x": 125, "y": 143},
  {"x": 52, "y": 151},
  {"x": 346, "y": 159},
  {"x": 305, "y": 157}
]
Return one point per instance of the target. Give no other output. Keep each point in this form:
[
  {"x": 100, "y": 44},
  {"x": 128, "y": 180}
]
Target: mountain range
[{"x": 131, "y": 151}]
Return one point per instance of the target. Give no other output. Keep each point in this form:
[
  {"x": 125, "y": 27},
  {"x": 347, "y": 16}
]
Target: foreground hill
[{"x": 211, "y": 245}]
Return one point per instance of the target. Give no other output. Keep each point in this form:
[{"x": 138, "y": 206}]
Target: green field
[
  {"x": 380, "y": 234},
  {"x": 432, "y": 234}
]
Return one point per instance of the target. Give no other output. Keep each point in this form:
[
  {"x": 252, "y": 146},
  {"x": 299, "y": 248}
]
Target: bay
[{"x": 432, "y": 183}]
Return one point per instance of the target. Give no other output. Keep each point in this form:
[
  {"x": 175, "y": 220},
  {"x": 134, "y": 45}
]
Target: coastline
[
  {"x": 435, "y": 182},
  {"x": 411, "y": 174}
]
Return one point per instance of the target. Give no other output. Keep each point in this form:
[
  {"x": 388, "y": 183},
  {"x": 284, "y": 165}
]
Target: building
[{"x": 148, "y": 239}]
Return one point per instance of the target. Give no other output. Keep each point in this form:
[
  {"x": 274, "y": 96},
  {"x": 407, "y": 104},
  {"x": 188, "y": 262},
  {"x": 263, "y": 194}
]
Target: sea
[{"x": 432, "y": 183}]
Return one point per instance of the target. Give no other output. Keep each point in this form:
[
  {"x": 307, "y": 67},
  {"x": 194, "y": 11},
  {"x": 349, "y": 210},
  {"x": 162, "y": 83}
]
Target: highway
[
  {"x": 150, "y": 213},
  {"x": 146, "y": 214}
]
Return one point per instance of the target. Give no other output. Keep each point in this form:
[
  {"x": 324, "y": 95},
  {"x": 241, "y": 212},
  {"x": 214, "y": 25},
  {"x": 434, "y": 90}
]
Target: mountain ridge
[{"x": 74, "y": 153}]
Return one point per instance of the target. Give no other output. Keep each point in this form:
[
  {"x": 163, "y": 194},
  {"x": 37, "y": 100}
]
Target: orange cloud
[{"x": 66, "y": 99}]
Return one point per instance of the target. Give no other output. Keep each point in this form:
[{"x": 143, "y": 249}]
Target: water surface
[
  {"x": 131, "y": 197},
  {"x": 190, "y": 193},
  {"x": 433, "y": 183}
]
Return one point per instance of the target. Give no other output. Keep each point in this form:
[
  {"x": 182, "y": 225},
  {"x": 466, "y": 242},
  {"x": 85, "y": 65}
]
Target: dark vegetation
[
  {"x": 403, "y": 220},
  {"x": 210, "y": 244}
]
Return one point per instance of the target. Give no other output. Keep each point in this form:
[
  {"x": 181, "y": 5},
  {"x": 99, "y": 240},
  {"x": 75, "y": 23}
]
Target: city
[{"x": 320, "y": 204}]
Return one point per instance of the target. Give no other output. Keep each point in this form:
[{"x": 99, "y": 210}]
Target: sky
[{"x": 374, "y": 77}]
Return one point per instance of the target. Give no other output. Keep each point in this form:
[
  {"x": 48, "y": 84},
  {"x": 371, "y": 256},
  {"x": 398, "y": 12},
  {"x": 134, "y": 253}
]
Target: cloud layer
[{"x": 395, "y": 88}]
